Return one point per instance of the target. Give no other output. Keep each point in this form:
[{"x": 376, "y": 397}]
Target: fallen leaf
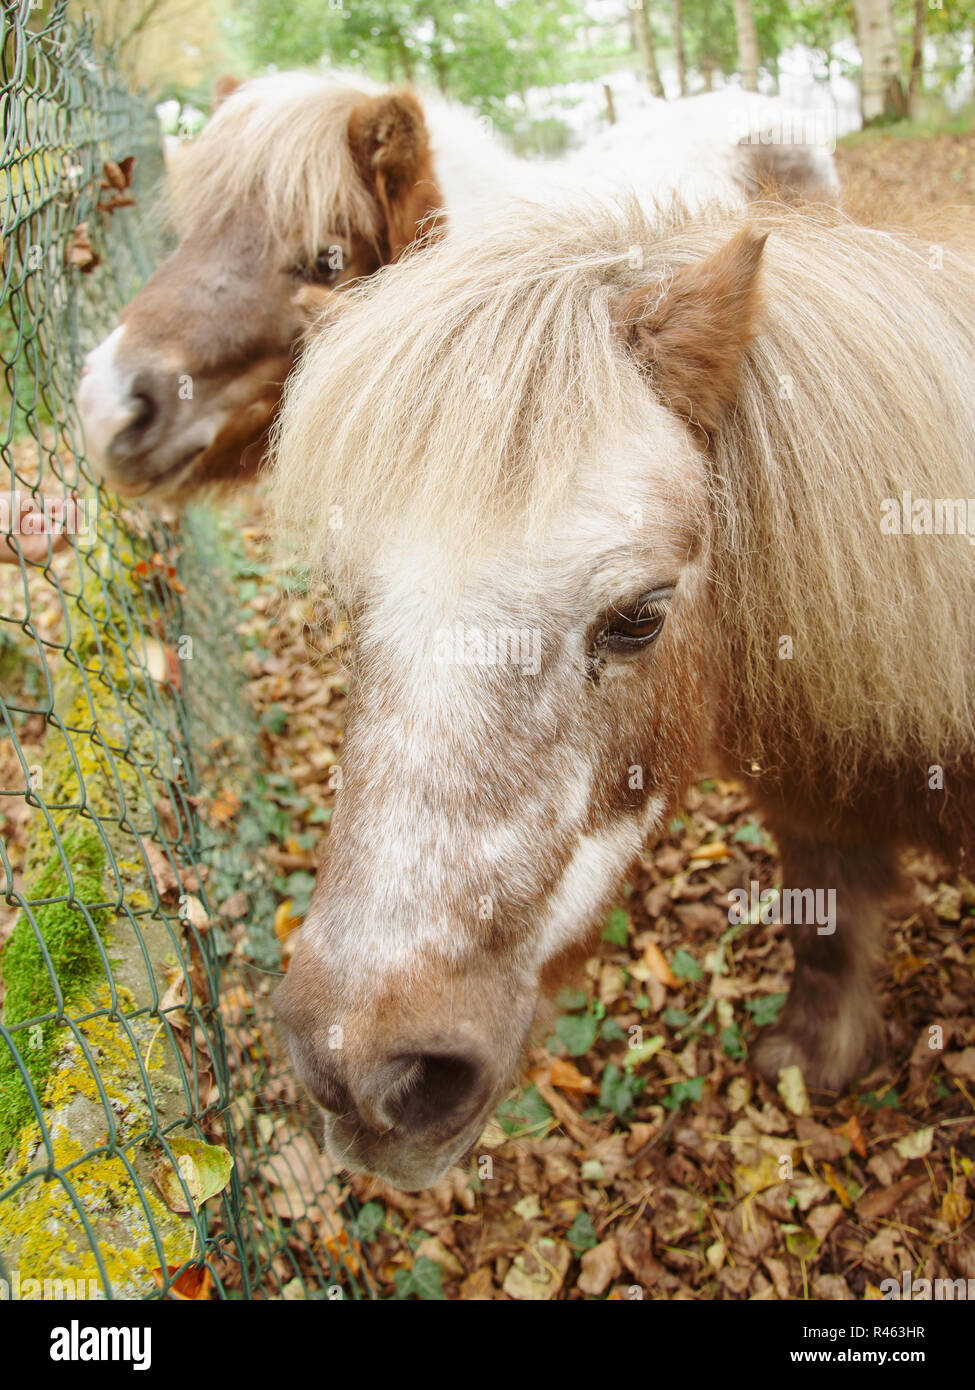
[
  {"x": 961, "y": 1064},
  {"x": 204, "y": 1168},
  {"x": 477, "y": 1287},
  {"x": 716, "y": 850},
  {"x": 192, "y": 1286},
  {"x": 568, "y": 1077},
  {"x": 600, "y": 1266},
  {"x": 882, "y": 1202},
  {"x": 792, "y": 1089},
  {"x": 224, "y": 807},
  {"x": 81, "y": 253},
  {"x": 955, "y": 1209},
  {"x": 163, "y": 664},
  {"x": 915, "y": 1145},
  {"x": 834, "y": 1182},
  {"x": 656, "y": 963},
  {"x": 538, "y": 1274},
  {"x": 164, "y": 876},
  {"x": 284, "y": 923},
  {"x": 854, "y": 1132}
]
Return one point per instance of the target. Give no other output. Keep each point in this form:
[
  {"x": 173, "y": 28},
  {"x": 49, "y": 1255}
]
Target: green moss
[{"x": 73, "y": 950}]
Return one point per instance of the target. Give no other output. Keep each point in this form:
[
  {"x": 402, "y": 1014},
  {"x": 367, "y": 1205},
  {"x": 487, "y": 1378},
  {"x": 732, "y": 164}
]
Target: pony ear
[
  {"x": 224, "y": 86},
  {"x": 691, "y": 338},
  {"x": 391, "y": 147}
]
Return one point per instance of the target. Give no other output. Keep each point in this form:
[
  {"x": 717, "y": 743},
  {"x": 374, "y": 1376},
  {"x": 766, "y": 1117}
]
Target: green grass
[{"x": 935, "y": 121}]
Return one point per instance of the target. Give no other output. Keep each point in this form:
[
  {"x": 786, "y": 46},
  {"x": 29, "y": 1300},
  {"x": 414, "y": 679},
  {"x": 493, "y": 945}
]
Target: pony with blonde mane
[
  {"x": 300, "y": 186},
  {"x": 668, "y": 456}
]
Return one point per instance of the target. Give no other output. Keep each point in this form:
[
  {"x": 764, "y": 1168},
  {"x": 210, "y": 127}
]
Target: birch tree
[
  {"x": 881, "y": 91},
  {"x": 643, "y": 32},
  {"x": 748, "y": 55}
]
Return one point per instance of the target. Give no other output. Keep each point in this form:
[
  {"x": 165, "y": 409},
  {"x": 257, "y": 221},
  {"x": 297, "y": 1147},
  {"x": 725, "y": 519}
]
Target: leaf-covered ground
[{"x": 641, "y": 1153}]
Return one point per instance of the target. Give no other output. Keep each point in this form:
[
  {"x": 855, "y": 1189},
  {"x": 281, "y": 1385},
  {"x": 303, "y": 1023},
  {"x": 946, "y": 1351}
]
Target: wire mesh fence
[{"x": 152, "y": 1142}]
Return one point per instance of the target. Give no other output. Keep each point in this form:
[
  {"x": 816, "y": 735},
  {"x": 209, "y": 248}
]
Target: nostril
[
  {"x": 426, "y": 1093},
  {"x": 146, "y": 412},
  {"x": 143, "y": 410}
]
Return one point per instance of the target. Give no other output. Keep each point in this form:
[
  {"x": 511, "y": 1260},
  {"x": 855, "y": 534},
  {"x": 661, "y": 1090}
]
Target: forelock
[{"x": 278, "y": 145}]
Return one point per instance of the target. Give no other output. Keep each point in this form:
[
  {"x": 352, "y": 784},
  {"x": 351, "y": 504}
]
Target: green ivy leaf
[
  {"x": 619, "y": 1090},
  {"x": 524, "y": 1114},
  {"x": 685, "y": 967},
  {"x": 577, "y": 1033},
  {"x": 683, "y": 1092},
  {"x": 617, "y": 928},
  {"x": 766, "y": 1009},
  {"x": 581, "y": 1235}
]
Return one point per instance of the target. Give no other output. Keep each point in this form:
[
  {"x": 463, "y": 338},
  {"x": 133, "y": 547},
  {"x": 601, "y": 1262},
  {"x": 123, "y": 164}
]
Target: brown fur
[
  {"x": 391, "y": 148},
  {"x": 691, "y": 339}
]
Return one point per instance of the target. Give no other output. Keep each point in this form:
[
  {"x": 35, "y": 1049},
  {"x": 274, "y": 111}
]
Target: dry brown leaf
[
  {"x": 600, "y": 1266},
  {"x": 657, "y": 964},
  {"x": 164, "y": 876},
  {"x": 854, "y": 1132},
  {"x": 961, "y": 1064},
  {"x": 568, "y": 1077}
]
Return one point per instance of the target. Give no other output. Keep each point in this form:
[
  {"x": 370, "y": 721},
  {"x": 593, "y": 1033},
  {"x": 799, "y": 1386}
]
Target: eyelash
[{"x": 648, "y": 611}]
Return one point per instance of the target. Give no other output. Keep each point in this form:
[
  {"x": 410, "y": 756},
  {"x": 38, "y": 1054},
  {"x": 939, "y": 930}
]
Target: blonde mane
[
  {"x": 278, "y": 144},
  {"x": 460, "y": 393}
]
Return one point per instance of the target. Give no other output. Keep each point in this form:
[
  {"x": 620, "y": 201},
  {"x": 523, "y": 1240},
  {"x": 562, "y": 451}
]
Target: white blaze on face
[
  {"x": 591, "y": 875},
  {"x": 415, "y": 851},
  {"x": 105, "y": 400}
]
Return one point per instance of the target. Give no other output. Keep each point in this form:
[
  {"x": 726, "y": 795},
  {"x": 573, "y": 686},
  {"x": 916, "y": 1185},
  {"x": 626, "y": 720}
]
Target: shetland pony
[
  {"x": 596, "y": 518},
  {"x": 300, "y": 185}
]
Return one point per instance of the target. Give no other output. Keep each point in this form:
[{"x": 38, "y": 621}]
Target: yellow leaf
[
  {"x": 204, "y": 1168},
  {"x": 830, "y": 1178},
  {"x": 656, "y": 963},
  {"x": 716, "y": 850},
  {"x": 792, "y": 1089},
  {"x": 284, "y": 923}
]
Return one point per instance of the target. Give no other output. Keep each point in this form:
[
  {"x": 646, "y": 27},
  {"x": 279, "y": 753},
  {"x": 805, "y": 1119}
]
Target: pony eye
[{"x": 627, "y": 627}]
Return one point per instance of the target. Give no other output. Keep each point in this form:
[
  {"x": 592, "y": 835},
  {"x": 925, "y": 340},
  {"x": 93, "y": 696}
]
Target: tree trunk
[
  {"x": 678, "y": 20},
  {"x": 917, "y": 53},
  {"x": 610, "y": 107},
  {"x": 748, "y": 56},
  {"x": 643, "y": 32},
  {"x": 881, "y": 90}
]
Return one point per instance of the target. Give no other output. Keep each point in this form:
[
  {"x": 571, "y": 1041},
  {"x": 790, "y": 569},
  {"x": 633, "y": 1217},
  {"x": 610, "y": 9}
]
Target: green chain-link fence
[{"x": 152, "y": 1141}]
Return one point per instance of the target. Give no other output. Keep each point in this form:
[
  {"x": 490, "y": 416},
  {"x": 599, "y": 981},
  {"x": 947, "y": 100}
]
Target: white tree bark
[
  {"x": 647, "y": 48},
  {"x": 881, "y": 92},
  {"x": 748, "y": 56}
]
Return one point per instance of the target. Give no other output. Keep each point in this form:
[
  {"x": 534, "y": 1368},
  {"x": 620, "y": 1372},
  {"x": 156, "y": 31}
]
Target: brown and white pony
[
  {"x": 300, "y": 185},
  {"x": 593, "y": 526}
]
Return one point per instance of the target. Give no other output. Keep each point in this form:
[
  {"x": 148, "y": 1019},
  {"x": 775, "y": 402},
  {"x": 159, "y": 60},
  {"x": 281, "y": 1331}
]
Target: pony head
[
  {"x": 518, "y": 527},
  {"x": 297, "y": 186}
]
